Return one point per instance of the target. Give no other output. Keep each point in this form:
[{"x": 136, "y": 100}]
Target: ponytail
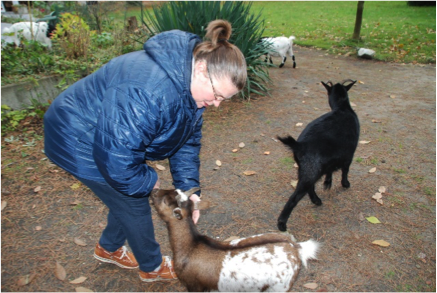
[{"x": 223, "y": 58}]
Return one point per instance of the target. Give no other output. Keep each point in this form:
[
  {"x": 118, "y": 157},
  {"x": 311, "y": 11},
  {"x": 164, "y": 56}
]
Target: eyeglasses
[{"x": 218, "y": 98}]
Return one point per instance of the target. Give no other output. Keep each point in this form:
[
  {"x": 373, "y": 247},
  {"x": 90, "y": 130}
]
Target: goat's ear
[
  {"x": 327, "y": 87},
  {"x": 348, "y": 87},
  {"x": 191, "y": 191},
  {"x": 177, "y": 213}
]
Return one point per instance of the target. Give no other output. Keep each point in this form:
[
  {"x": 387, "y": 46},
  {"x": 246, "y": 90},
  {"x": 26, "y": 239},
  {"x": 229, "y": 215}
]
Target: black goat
[{"x": 324, "y": 146}]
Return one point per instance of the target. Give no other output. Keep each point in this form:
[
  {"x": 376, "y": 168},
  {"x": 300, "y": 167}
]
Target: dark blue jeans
[{"x": 130, "y": 219}]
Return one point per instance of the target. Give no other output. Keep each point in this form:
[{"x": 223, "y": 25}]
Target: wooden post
[{"x": 358, "y": 20}]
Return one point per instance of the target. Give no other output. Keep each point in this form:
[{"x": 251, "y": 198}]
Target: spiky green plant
[{"x": 194, "y": 16}]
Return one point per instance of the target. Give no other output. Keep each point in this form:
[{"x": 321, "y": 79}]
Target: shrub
[
  {"x": 73, "y": 35},
  {"x": 194, "y": 17},
  {"x": 422, "y": 2}
]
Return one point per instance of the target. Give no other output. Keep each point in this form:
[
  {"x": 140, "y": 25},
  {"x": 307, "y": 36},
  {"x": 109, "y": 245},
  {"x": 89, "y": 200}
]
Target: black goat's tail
[{"x": 289, "y": 141}]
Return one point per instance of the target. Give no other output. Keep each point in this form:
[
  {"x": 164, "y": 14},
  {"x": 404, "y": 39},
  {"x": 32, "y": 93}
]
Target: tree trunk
[{"x": 358, "y": 20}]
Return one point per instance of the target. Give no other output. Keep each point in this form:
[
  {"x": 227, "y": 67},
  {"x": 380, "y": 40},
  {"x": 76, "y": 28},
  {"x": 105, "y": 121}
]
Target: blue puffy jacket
[{"x": 137, "y": 107}]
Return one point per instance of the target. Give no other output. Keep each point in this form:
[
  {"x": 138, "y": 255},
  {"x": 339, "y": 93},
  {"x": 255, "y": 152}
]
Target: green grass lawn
[{"x": 396, "y": 31}]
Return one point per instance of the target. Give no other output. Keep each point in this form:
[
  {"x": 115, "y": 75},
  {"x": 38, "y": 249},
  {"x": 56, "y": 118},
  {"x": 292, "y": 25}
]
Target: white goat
[
  {"x": 266, "y": 262},
  {"x": 29, "y": 30},
  {"x": 280, "y": 46}
]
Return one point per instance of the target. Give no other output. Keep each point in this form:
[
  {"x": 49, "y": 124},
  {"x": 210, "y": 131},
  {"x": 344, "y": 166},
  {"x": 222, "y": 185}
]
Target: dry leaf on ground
[
  {"x": 293, "y": 183},
  {"x": 241, "y": 145},
  {"x": 4, "y": 204},
  {"x": 364, "y": 141},
  {"x": 38, "y": 188},
  {"x": 299, "y": 124},
  {"x": 160, "y": 167},
  {"x": 267, "y": 153},
  {"x": 235, "y": 150},
  {"x": 38, "y": 228},
  {"x": 378, "y": 197},
  {"x": 249, "y": 173},
  {"x": 382, "y": 189},
  {"x": 218, "y": 163},
  {"x": 373, "y": 170},
  {"x": 79, "y": 280},
  {"x": 60, "y": 272},
  {"x": 79, "y": 242},
  {"x": 75, "y": 186},
  {"x": 373, "y": 220},
  {"x": 311, "y": 285},
  {"x": 381, "y": 243},
  {"x": 24, "y": 280},
  {"x": 83, "y": 289}
]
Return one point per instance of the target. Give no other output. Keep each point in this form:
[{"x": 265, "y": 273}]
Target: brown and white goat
[{"x": 266, "y": 262}]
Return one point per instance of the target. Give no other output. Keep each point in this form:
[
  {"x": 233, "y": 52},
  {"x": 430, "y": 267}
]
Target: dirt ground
[{"x": 396, "y": 104}]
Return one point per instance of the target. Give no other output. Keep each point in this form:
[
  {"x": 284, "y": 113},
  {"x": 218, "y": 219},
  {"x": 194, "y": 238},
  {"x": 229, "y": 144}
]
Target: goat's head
[
  {"x": 172, "y": 204},
  {"x": 338, "y": 92}
]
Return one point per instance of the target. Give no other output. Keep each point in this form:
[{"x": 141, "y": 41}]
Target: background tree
[{"x": 358, "y": 20}]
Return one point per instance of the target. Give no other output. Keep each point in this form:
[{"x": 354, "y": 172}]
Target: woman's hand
[{"x": 196, "y": 213}]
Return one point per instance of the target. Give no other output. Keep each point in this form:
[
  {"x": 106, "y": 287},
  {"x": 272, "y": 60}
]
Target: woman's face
[{"x": 208, "y": 91}]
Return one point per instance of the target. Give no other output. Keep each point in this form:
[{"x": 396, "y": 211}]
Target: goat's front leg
[
  {"x": 301, "y": 190},
  {"x": 344, "y": 171},
  {"x": 294, "y": 61}
]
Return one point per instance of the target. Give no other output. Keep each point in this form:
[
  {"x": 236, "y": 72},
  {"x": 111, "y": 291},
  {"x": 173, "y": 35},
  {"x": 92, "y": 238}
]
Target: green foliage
[
  {"x": 103, "y": 40},
  {"x": 194, "y": 16},
  {"x": 10, "y": 119},
  {"x": 73, "y": 35},
  {"x": 32, "y": 58}
]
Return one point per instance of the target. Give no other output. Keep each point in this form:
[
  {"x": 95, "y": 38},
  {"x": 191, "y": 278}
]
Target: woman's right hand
[{"x": 157, "y": 184}]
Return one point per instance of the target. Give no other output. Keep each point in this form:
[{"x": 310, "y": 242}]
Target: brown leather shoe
[
  {"x": 166, "y": 272},
  {"x": 121, "y": 257}
]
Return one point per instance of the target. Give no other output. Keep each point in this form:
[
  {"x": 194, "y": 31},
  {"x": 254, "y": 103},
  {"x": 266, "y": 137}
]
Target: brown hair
[{"x": 223, "y": 58}]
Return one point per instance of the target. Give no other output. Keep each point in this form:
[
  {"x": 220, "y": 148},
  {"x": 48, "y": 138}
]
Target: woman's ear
[{"x": 200, "y": 70}]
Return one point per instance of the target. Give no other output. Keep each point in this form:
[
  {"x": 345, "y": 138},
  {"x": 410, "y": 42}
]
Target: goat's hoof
[
  {"x": 317, "y": 202},
  {"x": 345, "y": 184},
  {"x": 280, "y": 66},
  {"x": 327, "y": 185},
  {"x": 282, "y": 226}
]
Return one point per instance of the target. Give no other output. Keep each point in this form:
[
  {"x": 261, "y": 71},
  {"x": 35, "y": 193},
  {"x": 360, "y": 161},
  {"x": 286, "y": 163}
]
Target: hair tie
[{"x": 222, "y": 40}]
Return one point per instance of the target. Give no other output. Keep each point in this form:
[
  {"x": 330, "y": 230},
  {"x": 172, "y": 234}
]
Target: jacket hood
[{"x": 173, "y": 52}]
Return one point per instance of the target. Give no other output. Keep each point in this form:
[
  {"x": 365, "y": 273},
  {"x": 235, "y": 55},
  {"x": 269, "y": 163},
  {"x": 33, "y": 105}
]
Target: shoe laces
[
  {"x": 167, "y": 261},
  {"x": 124, "y": 253}
]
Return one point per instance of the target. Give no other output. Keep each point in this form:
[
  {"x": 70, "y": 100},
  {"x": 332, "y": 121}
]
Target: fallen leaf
[
  {"x": 382, "y": 189},
  {"x": 75, "y": 186},
  {"x": 267, "y": 153},
  {"x": 53, "y": 171},
  {"x": 364, "y": 141},
  {"x": 160, "y": 167},
  {"x": 75, "y": 202},
  {"x": 4, "y": 204},
  {"x": 38, "y": 188},
  {"x": 60, "y": 272},
  {"x": 38, "y": 228},
  {"x": 241, "y": 145},
  {"x": 232, "y": 238},
  {"x": 218, "y": 163},
  {"x": 360, "y": 82},
  {"x": 373, "y": 220},
  {"x": 24, "y": 280},
  {"x": 392, "y": 96},
  {"x": 61, "y": 239},
  {"x": 361, "y": 217},
  {"x": 376, "y": 121},
  {"x": 296, "y": 165},
  {"x": 373, "y": 170},
  {"x": 79, "y": 280},
  {"x": 293, "y": 183},
  {"x": 83, "y": 289},
  {"x": 378, "y": 197},
  {"x": 299, "y": 124},
  {"x": 79, "y": 242},
  {"x": 235, "y": 150},
  {"x": 311, "y": 286},
  {"x": 102, "y": 225},
  {"x": 249, "y": 173},
  {"x": 381, "y": 243}
]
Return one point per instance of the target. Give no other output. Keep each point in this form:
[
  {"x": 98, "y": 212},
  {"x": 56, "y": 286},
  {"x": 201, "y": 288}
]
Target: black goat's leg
[
  {"x": 283, "y": 62},
  {"x": 328, "y": 181},
  {"x": 294, "y": 61},
  {"x": 271, "y": 61},
  {"x": 313, "y": 196},
  {"x": 297, "y": 195},
  {"x": 344, "y": 171}
]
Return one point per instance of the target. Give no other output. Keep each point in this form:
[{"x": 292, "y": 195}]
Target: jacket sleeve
[
  {"x": 185, "y": 163},
  {"x": 125, "y": 127}
]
